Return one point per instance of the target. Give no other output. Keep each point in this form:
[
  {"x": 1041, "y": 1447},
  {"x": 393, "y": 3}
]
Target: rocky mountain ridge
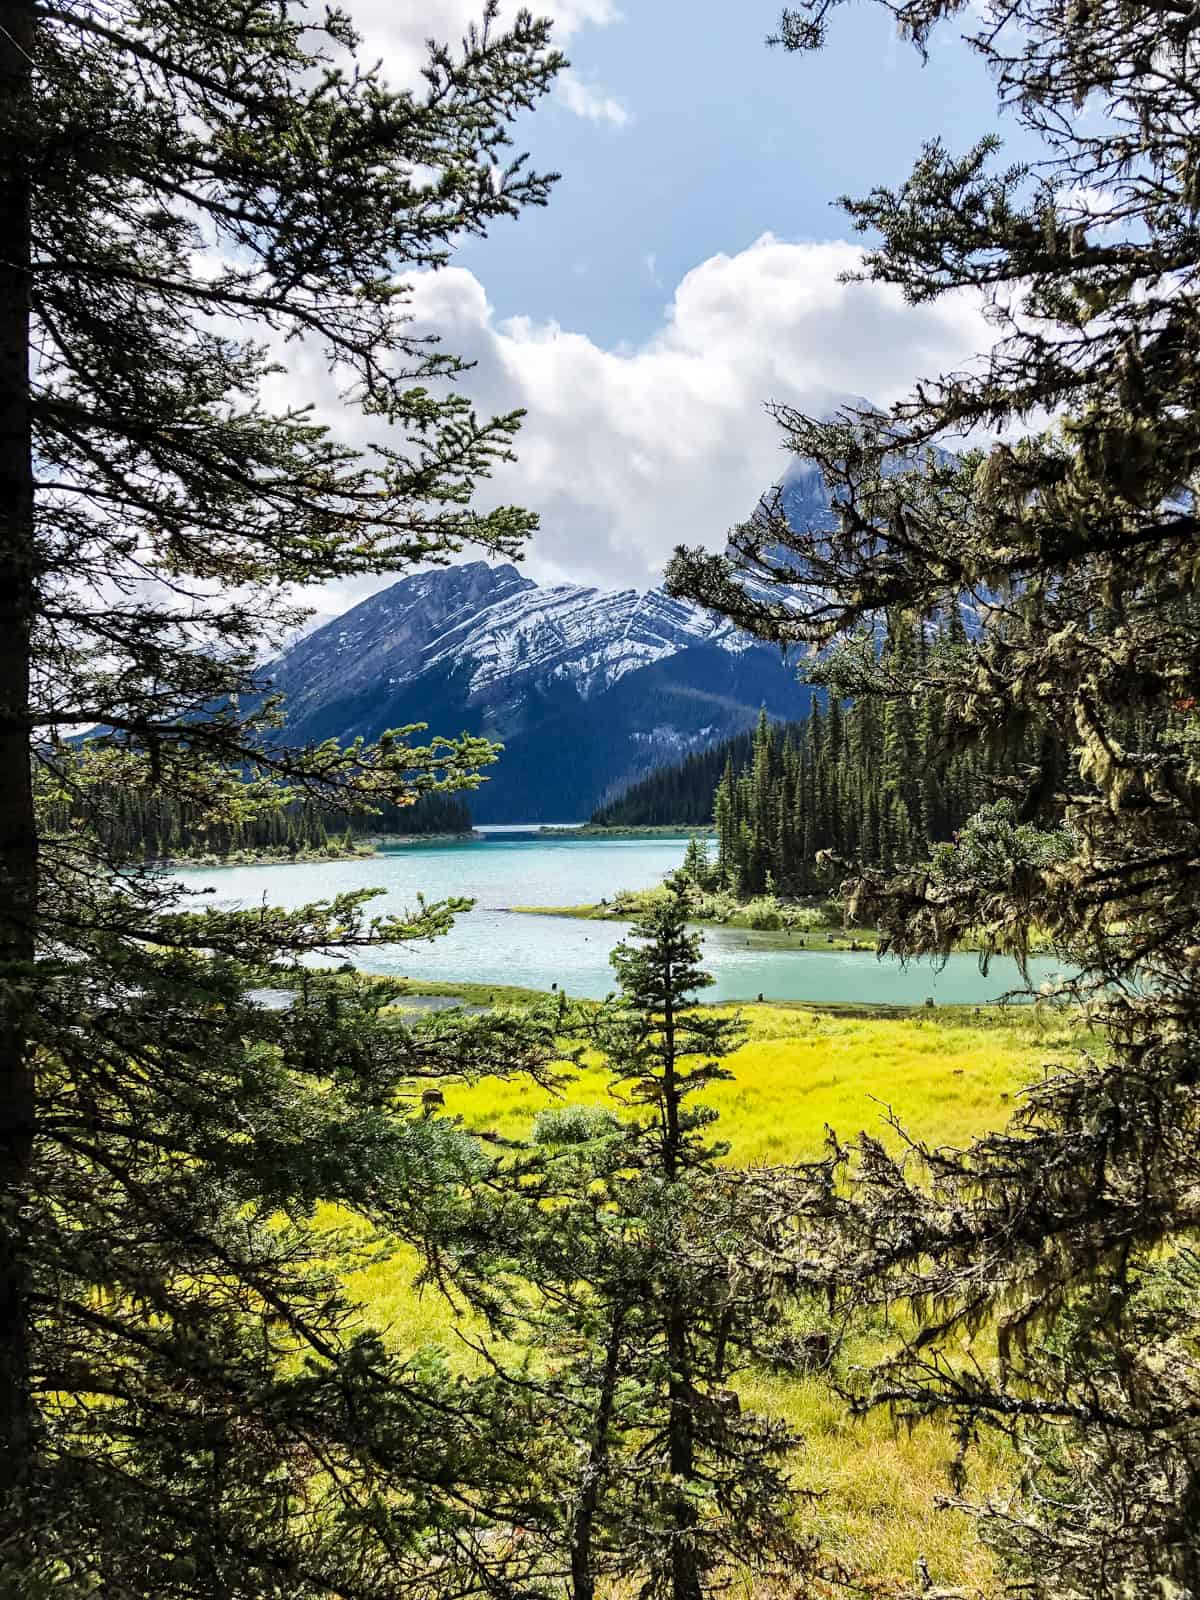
[
  {"x": 588, "y": 689},
  {"x": 507, "y": 627}
]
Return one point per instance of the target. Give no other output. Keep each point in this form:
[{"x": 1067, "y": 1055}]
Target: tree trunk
[
  {"x": 685, "y": 1565},
  {"x": 18, "y": 837},
  {"x": 672, "y": 1141},
  {"x": 685, "y": 1568},
  {"x": 583, "y": 1574}
]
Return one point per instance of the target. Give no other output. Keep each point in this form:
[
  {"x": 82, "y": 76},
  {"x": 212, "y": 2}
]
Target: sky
[{"x": 686, "y": 271}]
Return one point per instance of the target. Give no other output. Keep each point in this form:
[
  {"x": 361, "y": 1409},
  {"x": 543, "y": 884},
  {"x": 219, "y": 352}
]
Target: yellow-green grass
[
  {"x": 875, "y": 1488},
  {"x": 948, "y": 1076}
]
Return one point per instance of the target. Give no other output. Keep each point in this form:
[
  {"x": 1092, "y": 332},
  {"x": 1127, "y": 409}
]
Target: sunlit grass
[
  {"x": 948, "y": 1076},
  {"x": 875, "y": 1487},
  {"x": 800, "y": 1069}
]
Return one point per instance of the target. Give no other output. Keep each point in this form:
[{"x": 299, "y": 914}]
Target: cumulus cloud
[
  {"x": 586, "y": 101},
  {"x": 398, "y": 35},
  {"x": 627, "y": 452}
]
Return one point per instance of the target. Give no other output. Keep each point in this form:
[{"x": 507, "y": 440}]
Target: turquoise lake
[{"x": 494, "y": 945}]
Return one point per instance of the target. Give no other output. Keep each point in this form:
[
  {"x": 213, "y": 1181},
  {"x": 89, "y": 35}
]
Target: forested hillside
[
  {"x": 877, "y": 782},
  {"x": 135, "y": 824},
  {"x": 580, "y": 714},
  {"x": 682, "y": 792}
]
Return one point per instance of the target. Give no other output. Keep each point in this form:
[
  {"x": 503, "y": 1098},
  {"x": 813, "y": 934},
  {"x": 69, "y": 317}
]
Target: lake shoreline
[
  {"x": 596, "y": 830},
  {"x": 809, "y": 941},
  {"x": 383, "y": 841},
  {"x": 492, "y": 994},
  {"x": 802, "y": 941},
  {"x": 365, "y": 849},
  {"x": 495, "y": 950},
  {"x": 256, "y": 858}
]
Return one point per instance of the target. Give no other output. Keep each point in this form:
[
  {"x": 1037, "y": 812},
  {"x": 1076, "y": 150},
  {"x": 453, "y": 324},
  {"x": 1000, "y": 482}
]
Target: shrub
[
  {"x": 574, "y": 1124},
  {"x": 714, "y": 906},
  {"x": 764, "y": 913},
  {"x": 803, "y": 919}
]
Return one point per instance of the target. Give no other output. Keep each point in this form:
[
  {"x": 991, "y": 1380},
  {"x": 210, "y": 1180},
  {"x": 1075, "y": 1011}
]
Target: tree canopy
[
  {"x": 877, "y": 784},
  {"x": 645, "y": 1277},
  {"x": 191, "y": 194},
  {"x": 1074, "y": 536}
]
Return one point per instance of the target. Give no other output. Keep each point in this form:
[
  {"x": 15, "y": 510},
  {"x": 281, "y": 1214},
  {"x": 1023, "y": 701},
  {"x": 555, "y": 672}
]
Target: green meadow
[{"x": 948, "y": 1075}]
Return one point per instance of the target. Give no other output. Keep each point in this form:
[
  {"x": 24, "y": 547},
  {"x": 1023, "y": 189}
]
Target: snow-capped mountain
[
  {"x": 587, "y": 689},
  {"x": 506, "y": 626},
  {"x": 804, "y": 496},
  {"x": 585, "y": 637}
]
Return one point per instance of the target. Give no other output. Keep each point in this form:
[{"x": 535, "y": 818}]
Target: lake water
[{"x": 493, "y": 945}]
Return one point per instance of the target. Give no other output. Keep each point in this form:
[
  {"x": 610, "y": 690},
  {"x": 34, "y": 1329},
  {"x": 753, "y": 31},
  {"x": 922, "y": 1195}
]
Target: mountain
[
  {"x": 587, "y": 689},
  {"x": 803, "y": 496}
]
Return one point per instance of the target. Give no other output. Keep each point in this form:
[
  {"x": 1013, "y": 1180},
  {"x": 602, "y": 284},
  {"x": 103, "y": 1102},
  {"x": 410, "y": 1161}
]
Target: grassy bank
[
  {"x": 949, "y": 1075},
  {"x": 804, "y": 926},
  {"x": 816, "y": 937},
  {"x": 384, "y": 841},
  {"x": 363, "y": 849},
  {"x": 270, "y": 858},
  {"x": 594, "y": 830},
  {"x": 486, "y": 994},
  {"x": 764, "y": 913}
]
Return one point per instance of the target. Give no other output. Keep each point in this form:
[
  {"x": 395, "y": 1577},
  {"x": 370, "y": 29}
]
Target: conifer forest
[
  {"x": 144, "y": 824},
  {"x": 857, "y": 781},
  {"x": 392, "y": 1209}
]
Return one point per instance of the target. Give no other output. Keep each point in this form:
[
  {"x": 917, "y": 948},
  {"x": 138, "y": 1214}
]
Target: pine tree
[
  {"x": 696, "y": 869},
  {"x": 189, "y": 1402},
  {"x": 876, "y": 784},
  {"x": 653, "y": 1277},
  {"x": 1070, "y": 1234}
]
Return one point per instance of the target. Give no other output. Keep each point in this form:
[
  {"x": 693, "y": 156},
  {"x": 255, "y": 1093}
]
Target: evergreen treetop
[
  {"x": 652, "y": 1279},
  {"x": 1074, "y": 543},
  {"x": 190, "y": 194},
  {"x": 876, "y": 786}
]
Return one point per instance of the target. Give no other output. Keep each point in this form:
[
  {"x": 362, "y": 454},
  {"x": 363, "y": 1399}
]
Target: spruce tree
[
  {"x": 189, "y": 1402},
  {"x": 654, "y": 1275},
  {"x": 703, "y": 1489},
  {"x": 1072, "y": 546},
  {"x": 696, "y": 869}
]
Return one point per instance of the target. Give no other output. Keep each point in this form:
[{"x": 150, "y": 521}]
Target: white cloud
[
  {"x": 396, "y": 31},
  {"x": 626, "y": 453},
  {"x": 589, "y": 102}
]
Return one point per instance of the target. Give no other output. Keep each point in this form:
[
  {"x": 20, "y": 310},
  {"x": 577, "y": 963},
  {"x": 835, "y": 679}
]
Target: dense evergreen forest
[
  {"x": 150, "y": 825},
  {"x": 683, "y": 791},
  {"x": 876, "y": 782}
]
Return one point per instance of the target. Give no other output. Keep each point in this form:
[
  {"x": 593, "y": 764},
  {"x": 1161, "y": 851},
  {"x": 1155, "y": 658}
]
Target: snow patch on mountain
[
  {"x": 503, "y": 629},
  {"x": 567, "y": 632}
]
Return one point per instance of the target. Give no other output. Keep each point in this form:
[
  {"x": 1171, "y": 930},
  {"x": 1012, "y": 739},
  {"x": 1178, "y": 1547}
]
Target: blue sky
[
  {"x": 688, "y": 268},
  {"x": 725, "y": 140}
]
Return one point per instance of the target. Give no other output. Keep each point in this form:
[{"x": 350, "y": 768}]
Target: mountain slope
[{"x": 588, "y": 690}]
